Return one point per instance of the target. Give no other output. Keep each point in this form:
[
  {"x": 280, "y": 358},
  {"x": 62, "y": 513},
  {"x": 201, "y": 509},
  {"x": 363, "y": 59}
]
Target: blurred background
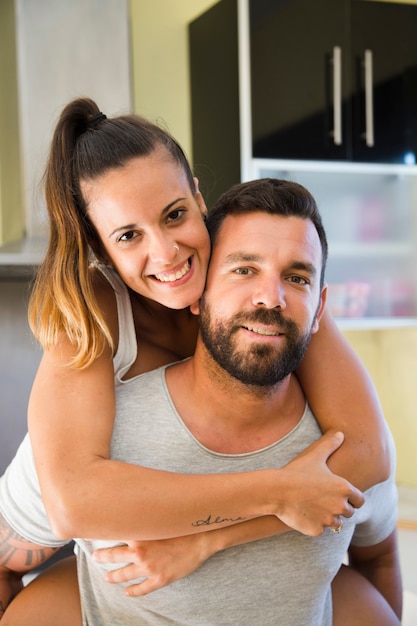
[{"x": 135, "y": 55}]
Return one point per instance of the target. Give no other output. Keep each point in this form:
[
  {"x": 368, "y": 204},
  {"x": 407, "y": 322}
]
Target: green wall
[
  {"x": 11, "y": 208},
  {"x": 160, "y": 62}
]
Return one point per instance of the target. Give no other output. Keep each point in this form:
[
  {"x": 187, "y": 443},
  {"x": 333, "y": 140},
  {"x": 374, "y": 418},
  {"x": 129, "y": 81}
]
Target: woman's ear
[
  {"x": 195, "y": 308},
  {"x": 200, "y": 199}
]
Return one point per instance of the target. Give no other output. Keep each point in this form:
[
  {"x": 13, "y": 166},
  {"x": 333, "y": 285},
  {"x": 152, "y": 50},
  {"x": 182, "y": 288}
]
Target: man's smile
[{"x": 263, "y": 331}]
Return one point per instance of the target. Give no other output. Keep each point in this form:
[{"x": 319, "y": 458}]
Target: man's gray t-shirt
[{"x": 283, "y": 580}]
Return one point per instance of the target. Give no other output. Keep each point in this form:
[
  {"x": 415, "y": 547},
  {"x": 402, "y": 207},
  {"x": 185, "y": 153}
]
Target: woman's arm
[
  {"x": 71, "y": 416},
  {"x": 343, "y": 397},
  {"x": 17, "y": 557},
  {"x": 86, "y": 494},
  {"x": 160, "y": 563},
  {"x": 380, "y": 565}
]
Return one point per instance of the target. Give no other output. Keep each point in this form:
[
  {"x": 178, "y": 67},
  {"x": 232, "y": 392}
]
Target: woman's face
[{"x": 152, "y": 229}]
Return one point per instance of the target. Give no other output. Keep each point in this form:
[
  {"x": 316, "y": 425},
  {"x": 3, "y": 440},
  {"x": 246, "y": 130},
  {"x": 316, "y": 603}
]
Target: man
[{"x": 236, "y": 406}]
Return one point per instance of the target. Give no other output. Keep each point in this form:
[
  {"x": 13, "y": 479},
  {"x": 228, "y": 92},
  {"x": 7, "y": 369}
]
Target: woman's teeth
[{"x": 170, "y": 278}]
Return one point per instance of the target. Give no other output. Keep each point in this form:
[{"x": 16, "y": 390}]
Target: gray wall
[
  {"x": 66, "y": 50},
  {"x": 19, "y": 359}
]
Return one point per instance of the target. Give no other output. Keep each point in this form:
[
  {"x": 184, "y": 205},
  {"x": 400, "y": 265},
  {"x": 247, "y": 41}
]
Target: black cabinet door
[
  {"x": 214, "y": 77},
  {"x": 387, "y": 34},
  {"x": 296, "y": 47}
]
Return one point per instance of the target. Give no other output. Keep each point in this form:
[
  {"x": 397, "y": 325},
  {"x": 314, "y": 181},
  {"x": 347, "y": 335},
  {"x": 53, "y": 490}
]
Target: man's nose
[{"x": 269, "y": 293}]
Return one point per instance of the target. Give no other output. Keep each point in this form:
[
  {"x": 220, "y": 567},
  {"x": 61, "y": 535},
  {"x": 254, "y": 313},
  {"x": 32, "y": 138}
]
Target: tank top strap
[{"x": 128, "y": 346}]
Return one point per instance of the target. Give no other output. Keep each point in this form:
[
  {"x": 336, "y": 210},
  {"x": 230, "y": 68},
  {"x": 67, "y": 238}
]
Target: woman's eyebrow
[
  {"x": 171, "y": 204},
  {"x": 131, "y": 226},
  {"x": 122, "y": 228}
]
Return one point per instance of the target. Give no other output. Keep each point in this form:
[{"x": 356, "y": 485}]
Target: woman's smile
[{"x": 174, "y": 274}]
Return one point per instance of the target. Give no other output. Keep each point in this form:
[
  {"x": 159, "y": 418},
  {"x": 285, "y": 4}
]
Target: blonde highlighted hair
[{"x": 85, "y": 145}]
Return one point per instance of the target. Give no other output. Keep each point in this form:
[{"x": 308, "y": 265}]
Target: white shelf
[
  {"x": 19, "y": 260},
  {"x": 341, "y": 167},
  {"x": 375, "y": 323},
  {"x": 369, "y": 249},
  {"x": 23, "y": 252}
]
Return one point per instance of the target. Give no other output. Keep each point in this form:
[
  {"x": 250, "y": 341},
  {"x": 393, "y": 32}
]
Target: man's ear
[{"x": 323, "y": 300}]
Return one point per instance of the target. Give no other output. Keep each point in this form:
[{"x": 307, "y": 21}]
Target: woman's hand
[
  {"x": 318, "y": 498},
  {"x": 313, "y": 497},
  {"x": 159, "y": 562}
]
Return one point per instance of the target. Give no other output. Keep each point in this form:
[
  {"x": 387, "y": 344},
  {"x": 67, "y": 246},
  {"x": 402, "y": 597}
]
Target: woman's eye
[
  {"x": 175, "y": 215},
  {"x": 131, "y": 234}
]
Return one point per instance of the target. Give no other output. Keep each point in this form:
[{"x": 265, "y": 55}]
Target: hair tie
[{"x": 98, "y": 117}]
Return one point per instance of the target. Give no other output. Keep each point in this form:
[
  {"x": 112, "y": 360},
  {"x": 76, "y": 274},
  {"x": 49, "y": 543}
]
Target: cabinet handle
[
  {"x": 337, "y": 96},
  {"x": 369, "y": 99}
]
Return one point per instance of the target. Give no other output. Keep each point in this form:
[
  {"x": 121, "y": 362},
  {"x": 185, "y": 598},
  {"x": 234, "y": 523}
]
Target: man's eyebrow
[
  {"x": 239, "y": 257},
  {"x": 305, "y": 266},
  {"x": 245, "y": 257}
]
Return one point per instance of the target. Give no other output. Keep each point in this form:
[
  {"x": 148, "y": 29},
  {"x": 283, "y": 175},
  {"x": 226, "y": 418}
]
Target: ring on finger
[{"x": 338, "y": 528}]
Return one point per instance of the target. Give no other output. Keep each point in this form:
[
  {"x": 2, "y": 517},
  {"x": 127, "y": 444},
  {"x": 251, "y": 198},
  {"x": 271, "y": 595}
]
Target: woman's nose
[{"x": 163, "y": 250}]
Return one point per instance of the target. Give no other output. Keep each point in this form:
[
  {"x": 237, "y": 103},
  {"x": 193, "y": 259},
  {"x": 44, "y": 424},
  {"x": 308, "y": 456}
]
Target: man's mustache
[{"x": 268, "y": 317}]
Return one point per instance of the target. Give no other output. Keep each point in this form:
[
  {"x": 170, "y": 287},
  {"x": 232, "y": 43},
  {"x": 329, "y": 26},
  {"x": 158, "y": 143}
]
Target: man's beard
[{"x": 262, "y": 365}]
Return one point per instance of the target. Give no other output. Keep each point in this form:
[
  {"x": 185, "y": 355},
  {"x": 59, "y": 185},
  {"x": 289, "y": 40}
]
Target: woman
[{"x": 123, "y": 189}]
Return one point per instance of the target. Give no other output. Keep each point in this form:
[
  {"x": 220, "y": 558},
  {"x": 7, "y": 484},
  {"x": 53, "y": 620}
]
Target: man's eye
[
  {"x": 300, "y": 280},
  {"x": 244, "y": 271}
]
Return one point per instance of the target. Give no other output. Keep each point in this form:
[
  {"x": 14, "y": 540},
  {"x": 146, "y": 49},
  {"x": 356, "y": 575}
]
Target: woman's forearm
[
  {"x": 153, "y": 504},
  {"x": 246, "y": 532},
  {"x": 160, "y": 563},
  {"x": 86, "y": 494},
  {"x": 343, "y": 397},
  {"x": 123, "y": 500}
]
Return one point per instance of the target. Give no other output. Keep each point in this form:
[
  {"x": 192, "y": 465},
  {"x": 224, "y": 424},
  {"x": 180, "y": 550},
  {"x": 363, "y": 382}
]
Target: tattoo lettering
[
  {"x": 217, "y": 520},
  {"x": 17, "y": 552}
]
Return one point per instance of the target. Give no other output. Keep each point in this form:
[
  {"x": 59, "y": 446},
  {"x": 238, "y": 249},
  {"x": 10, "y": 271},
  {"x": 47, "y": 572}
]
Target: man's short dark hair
[{"x": 268, "y": 195}]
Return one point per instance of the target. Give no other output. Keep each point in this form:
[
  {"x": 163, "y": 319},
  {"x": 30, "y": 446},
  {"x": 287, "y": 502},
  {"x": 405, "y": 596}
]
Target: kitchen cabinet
[
  {"x": 334, "y": 79},
  {"x": 278, "y": 89},
  {"x": 387, "y": 33},
  {"x": 215, "y": 98},
  {"x": 369, "y": 215},
  {"x": 295, "y": 79}
]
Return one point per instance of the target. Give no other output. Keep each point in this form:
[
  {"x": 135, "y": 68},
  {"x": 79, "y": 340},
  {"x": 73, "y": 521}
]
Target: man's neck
[{"x": 228, "y": 416}]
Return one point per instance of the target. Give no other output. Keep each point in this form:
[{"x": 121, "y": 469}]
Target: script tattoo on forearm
[{"x": 217, "y": 520}]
